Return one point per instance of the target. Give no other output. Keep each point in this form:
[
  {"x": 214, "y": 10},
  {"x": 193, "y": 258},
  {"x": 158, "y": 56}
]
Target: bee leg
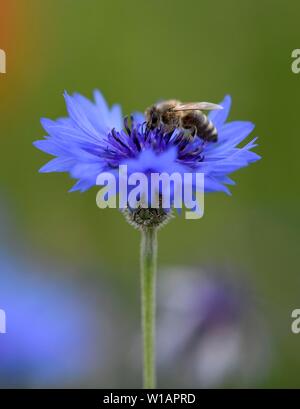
[{"x": 193, "y": 131}]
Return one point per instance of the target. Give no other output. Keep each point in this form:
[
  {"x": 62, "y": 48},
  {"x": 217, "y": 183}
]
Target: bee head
[{"x": 153, "y": 117}]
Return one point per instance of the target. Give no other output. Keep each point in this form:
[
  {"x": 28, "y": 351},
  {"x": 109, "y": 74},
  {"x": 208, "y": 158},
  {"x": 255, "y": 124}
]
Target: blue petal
[
  {"x": 218, "y": 117},
  {"x": 77, "y": 113},
  {"x": 231, "y": 135},
  {"x": 81, "y": 186},
  {"x": 87, "y": 170},
  {"x": 212, "y": 185},
  {"x": 97, "y": 118},
  {"x": 116, "y": 117},
  {"x": 138, "y": 117},
  {"x": 101, "y": 105},
  {"x": 58, "y": 165},
  {"x": 49, "y": 147}
]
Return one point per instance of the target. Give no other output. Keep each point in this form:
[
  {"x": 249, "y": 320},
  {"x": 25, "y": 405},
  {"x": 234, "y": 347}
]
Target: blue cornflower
[{"x": 95, "y": 139}]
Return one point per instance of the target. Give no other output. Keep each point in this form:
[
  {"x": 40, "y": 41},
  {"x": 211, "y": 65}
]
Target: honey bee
[{"x": 173, "y": 114}]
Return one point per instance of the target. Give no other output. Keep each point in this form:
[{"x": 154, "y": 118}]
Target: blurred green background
[{"x": 137, "y": 52}]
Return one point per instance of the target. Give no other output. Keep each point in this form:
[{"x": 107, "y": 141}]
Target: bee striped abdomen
[
  {"x": 203, "y": 127},
  {"x": 206, "y": 129}
]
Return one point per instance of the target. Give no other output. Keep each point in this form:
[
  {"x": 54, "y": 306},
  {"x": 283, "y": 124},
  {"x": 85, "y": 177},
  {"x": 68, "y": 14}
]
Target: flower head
[{"x": 95, "y": 139}]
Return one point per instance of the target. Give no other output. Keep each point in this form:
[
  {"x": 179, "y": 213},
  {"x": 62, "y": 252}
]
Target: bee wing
[{"x": 195, "y": 106}]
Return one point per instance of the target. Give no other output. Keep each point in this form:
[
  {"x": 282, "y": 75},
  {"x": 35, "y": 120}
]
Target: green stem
[{"x": 148, "y": 278}]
